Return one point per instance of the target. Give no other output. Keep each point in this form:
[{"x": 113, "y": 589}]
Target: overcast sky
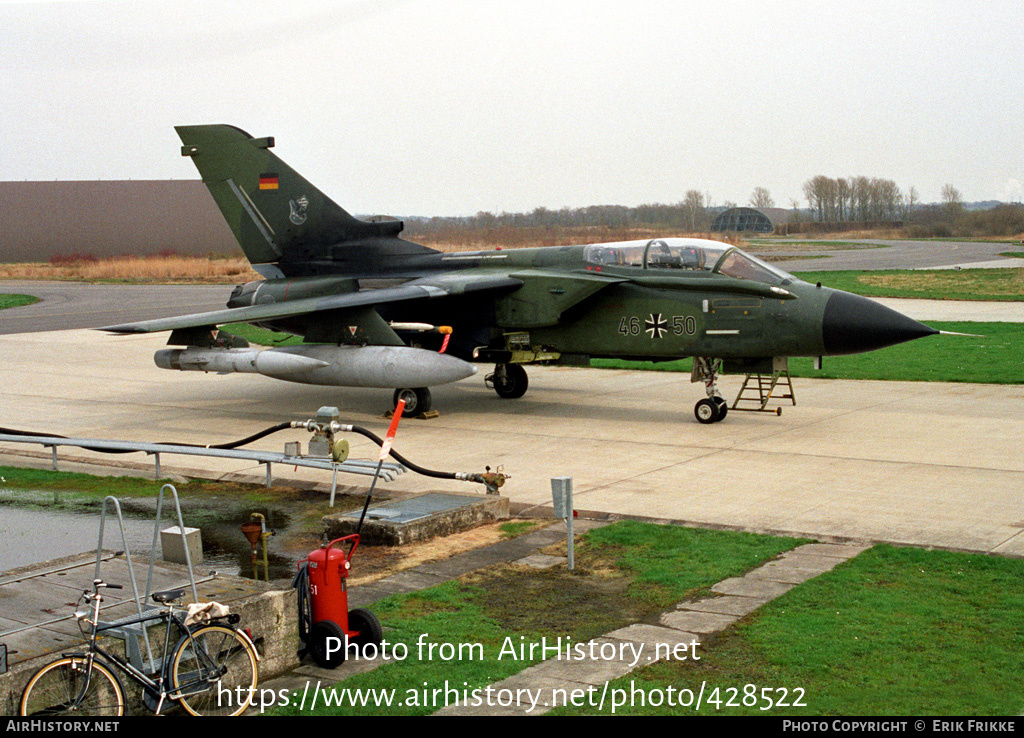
[{"x": 445, "y": 107}]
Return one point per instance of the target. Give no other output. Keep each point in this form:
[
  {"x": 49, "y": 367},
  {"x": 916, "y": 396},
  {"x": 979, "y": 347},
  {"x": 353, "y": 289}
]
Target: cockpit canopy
[{"x": 680, "y": 255}]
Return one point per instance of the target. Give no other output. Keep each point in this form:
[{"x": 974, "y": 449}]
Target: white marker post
[{"x": 561, "y": 496}]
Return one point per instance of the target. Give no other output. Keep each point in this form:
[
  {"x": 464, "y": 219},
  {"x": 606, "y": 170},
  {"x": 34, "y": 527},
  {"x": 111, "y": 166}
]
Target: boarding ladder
[{"x": 759, "y": 389}]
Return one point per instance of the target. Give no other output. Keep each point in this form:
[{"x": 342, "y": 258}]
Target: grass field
[
  {"x": 895, "y": 631},
  {"x": 9, "y": 301},
  {"x": 932, "y": 284},
  {"x": 133, "y": 269},
  {"x": 70, "y": 490},
  {"x": 625, "y": 573},
  {"x": 997, "y": 357},
  {"x": 262, "y": 336}
]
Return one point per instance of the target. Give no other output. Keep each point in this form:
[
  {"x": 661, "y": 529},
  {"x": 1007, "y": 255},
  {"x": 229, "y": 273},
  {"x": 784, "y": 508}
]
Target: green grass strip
[
  {"x": 931, "y": 284},
  {"x": 10, "y": 301},
  {"x": 996, "y": 357},
  {"x": 75, "y": 490},
  {"x": 80, "y": 486},
  {"x": 895, "y": 631}
]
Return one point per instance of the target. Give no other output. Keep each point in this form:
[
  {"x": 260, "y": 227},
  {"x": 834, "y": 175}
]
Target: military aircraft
[{"x": 375, "y": 310}]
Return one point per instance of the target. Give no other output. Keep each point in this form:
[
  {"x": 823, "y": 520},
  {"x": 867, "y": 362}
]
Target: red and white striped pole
[{"x": 385, "y": 451}]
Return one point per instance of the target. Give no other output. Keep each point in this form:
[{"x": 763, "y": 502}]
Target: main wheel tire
[
  {"x": 514, "y": 384},
  {"x": 368, "y": 626},
  {"x": 215, "y": 670},
  {"x": 417, "y": 400},
  {"x": 327, "y": 655},
  {"x": 706, "y": 411},
  {"x": 723, "y": 407},
  {"x": 55, "y": 688}
]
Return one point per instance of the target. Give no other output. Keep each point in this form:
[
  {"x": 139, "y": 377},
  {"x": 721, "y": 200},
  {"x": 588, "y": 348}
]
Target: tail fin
[{"x": 279, "y": 218}]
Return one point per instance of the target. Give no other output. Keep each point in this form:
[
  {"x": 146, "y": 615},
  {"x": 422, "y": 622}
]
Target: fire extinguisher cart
[{"x": 326, "y": 624}]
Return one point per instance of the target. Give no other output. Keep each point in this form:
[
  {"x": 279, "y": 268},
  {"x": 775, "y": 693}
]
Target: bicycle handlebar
[{"x": 98, "y": 584}]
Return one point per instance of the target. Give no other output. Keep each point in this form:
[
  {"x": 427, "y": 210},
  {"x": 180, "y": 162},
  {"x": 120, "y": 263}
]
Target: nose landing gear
[{"x": 713, "y": 408}]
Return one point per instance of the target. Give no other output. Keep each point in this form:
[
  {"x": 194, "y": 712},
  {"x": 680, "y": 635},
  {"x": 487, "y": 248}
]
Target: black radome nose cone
[{"x": 852, "y": 324}]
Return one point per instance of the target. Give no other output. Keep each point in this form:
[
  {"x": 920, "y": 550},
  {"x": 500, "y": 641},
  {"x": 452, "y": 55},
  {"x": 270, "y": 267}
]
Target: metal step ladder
[
  {"x": 135, "y": 636},
  {"x": 759, "y": 389}
]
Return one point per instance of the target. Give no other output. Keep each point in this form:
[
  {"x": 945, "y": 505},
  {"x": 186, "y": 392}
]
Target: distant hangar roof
[{"x": 750, "y": 219}]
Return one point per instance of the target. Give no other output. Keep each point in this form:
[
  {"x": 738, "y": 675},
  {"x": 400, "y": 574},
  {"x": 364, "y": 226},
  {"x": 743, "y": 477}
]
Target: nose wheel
[{"x": 711, "y": 410}]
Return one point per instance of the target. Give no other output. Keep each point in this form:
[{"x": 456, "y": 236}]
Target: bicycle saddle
[{"x": 168, "y": 595}]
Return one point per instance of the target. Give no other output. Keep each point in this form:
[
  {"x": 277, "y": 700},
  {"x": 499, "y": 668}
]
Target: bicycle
[{"x": 211, "y": 670}]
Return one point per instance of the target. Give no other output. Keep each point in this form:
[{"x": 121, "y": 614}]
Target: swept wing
[{"x": 421, "y": 289}]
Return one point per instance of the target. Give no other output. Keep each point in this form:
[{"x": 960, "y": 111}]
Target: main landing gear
[
  {"x": 508, "y": 380},
  {"x": 417, "y": 400},
  {"x": 714, "y": 407}
]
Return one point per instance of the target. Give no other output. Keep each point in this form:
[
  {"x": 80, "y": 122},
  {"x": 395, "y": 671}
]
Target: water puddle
[{"x": 32, "y": 534}]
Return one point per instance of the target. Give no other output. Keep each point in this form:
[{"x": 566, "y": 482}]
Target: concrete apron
[{"x": 915, "y": 463}]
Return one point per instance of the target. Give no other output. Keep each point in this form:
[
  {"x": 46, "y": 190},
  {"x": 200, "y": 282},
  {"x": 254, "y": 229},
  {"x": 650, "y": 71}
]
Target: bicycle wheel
[
  {"x": 214, "y": 670},
  {"x": 57, "y": 689}
]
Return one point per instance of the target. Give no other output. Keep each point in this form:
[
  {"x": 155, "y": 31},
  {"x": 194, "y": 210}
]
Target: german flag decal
[{"x": 268, "y": 181}]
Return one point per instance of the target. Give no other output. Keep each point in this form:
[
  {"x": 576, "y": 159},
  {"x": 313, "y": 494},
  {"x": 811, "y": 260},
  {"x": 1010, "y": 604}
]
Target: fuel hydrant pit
[{"x": 398, "y": 522}]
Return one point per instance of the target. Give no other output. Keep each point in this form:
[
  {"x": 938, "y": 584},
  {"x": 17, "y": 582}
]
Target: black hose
[
  {"x": 401, "y": 459},
  {"x": 223, "y": 446},
  {"x": 255, "y": 437},
  {"x": 31, "y": 434}
]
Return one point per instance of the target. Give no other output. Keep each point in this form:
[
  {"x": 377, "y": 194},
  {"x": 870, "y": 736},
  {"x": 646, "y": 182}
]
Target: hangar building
[
  {"x": 765, "y": 220},
  {"x": 109, "y": 218}
]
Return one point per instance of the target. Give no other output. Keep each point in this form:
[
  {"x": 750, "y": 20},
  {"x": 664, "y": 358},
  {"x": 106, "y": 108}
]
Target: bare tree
[
  {"x": 816, "y": 192},
  {"x": 794, "y": 205},
  {"x": 910, "y": 201},
  {"x": 761, "y": 198},
  {"x": 952, "y": 201},
  {"x": 693, "y": 209},
  {"x": 843, "y": 189}
]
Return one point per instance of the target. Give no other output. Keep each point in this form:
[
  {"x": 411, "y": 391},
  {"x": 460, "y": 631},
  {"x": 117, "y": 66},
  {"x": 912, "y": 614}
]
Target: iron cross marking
[{"x": 657, "y": 326}]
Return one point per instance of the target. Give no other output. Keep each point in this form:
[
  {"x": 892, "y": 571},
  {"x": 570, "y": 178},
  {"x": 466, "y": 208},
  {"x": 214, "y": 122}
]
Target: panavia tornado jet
[{"x": 375, "y": 310}]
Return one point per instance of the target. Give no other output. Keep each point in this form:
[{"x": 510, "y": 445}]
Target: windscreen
[{"x": 741, "y": 265}]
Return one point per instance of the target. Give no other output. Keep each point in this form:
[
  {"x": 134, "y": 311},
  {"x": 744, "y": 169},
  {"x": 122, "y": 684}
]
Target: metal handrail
[{"x": 389, "y": 472}]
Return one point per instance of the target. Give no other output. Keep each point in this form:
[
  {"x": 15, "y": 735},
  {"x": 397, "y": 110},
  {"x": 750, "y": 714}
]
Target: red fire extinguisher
[{"x": 326, "y": 625}]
